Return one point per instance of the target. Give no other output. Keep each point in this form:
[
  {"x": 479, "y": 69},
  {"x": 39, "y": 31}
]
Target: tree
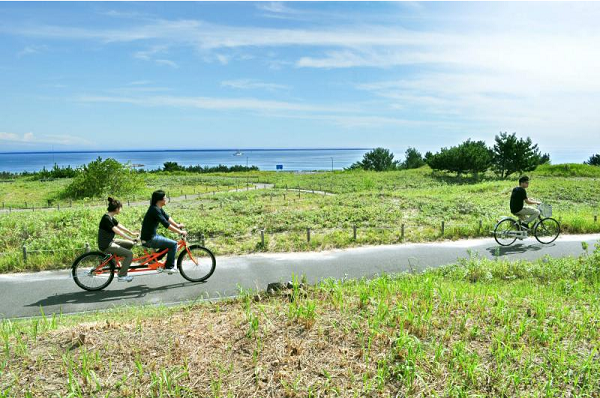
[
  {"x": 515, "y": 155},
  {"x": 101, "y": 178},
  {"x": 379, "y": 159},
  {"x": 594, "y": 160},
  {"x": 172, "y": 166},
  {"x": 469, "y": 157},
  {"x": 413, "y": 160}
]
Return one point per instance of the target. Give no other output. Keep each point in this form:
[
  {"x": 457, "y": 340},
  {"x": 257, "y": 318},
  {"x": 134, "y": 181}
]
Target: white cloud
[
  {"x": 30, "y": 138},
  {"x": 29, "y": 50},
  {"x": 250, "y": 84},
  {"x": 167, "y": 62},
  {"x": 215, "y": 103}
]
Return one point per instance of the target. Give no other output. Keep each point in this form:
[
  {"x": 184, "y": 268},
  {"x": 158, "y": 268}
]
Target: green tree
[
  {"x": 100, "y": 178},
  {"x": 413, "y": 159},
  {"x": 594, "y": 160},
  {"x": 469, "y": 157},
  {"x": 379, "y": 159},
  {"x": 515, "y": 155},
  {"x": 172, "y": 166}
]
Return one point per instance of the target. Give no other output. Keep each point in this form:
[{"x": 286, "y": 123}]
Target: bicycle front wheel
[
  {"x": 196, "y": 263},
  {"x": 506, "y": 232},
  {"x": 89, "y": 273},
  {"x": 547, "y": 230}
]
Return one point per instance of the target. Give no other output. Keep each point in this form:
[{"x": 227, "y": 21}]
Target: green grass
[
  {"x": 378, "y": 204},
  {"x": 475, "y": 328}
]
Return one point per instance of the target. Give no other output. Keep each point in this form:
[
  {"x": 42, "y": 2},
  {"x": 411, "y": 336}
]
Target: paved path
[{"x": 24, "y": 294}]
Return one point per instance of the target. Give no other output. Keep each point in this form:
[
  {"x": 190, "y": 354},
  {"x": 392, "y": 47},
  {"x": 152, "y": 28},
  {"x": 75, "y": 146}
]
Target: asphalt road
[{"x": 24, "y": 295}]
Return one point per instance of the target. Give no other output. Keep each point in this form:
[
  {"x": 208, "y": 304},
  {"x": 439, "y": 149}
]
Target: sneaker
[
  {"x": 126, "y": 278},
  {"x": 169, "y": 271}
]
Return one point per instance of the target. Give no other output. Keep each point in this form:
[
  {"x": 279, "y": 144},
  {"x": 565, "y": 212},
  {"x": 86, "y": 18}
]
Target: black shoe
[{"x": 524, "y": 226}]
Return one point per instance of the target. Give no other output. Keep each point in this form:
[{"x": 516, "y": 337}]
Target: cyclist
[
  {"x": 156, "y": 215},
  {"x": 109, "y": 226},
  {"x": 518, "y": 198}
]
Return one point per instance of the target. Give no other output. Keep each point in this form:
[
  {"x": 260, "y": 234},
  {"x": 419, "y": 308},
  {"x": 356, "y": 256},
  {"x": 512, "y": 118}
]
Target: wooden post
[
  {"x": 480, "y": 226},
  {"x": 10, "y": 209},
  {"x": 298, "y": 191},
  {"x": 202, "y": 240},
  {"x": 402, "y": 232},
  {"x": 308, "y": 235},
  {"x": 443, "y": 227},
  {"x": 284, "y": 197},
  {"x": 70, "y": 203},
  {"x": 25, "y": 204},
  {"x": 185, "y": 196},
  {"x": 595, "y": 218},
  {"x": 86, "y": 247},
  {"x": 24, "y": 254},
  {"x": 354, "y": 232},
  {"x": 262, "y": 237},
  {"x": 58, "y": 206},
  {"x": 128, "y": 203},
  {"x": 2, "y": 205},
  {"x": 49, "y": 203},
  {"x": 33, "y": 208}
]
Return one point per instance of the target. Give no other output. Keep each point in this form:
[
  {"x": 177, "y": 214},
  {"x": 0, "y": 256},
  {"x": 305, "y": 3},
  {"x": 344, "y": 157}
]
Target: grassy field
[
  {"x": 477, "y": 328},
  {"x": 377, "y": 204}
]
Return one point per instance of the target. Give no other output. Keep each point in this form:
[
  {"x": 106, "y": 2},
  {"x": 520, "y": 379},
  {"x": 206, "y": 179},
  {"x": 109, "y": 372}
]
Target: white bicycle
[{"x": 546, "y": 229}]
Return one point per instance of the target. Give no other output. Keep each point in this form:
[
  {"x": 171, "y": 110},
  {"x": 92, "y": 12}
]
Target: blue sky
[{"x": 120, "y": 75}]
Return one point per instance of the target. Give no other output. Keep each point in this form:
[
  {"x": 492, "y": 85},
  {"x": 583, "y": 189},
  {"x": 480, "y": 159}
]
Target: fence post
[
  {"x": 185, "y": 196},
  {"x": 87, "y": 247},
  {"x": 2, "y": 205},
  {"x": 10, "y": 209},
  {"x": 262, "y": 237},
  {"x": 298, "y": 191},
  {"x": 128, "y": 203},
  {"x": 58, "y": 206},
  {"x": 25, "y": 204},
  {"x": 70, "y": 202},
  {"x": 202, "y": 240},
  {"x": 443, "y": 227},
  {"x": 480, "y": 226},
  {"x": 308, "y": 235},
  {"x": 32, "y": 207},
  {"x": 402, "y": 232},
  {"x": 24, "y": 254},
  {"x": 354, "y": 232},
  {"x": 595, "y": 218},
  {"x": 48, "y": 203},
  {"x": 284, "y": 197}
]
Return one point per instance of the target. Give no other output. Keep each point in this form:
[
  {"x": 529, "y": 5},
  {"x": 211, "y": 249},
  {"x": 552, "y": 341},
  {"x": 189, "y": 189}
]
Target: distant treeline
[
  {"x": 70, "y": 172},
  {"x": 173, "y": 166}
]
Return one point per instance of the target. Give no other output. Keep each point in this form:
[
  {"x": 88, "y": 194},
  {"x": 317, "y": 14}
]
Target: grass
[
  {"x": 377, "y": 204},
  {"x": 475, "y": 328}
]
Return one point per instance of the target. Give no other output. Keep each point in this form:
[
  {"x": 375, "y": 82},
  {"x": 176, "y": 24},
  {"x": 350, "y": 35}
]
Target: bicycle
[
  {"x": 546, "y": 229},
  {"x": 95, "y": 270}
]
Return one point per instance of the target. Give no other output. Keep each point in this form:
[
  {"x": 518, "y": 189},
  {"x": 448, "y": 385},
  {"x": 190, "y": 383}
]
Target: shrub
[
  {"x": 413, "y": 160},
  {"x": 379, "y": 159},
  {"x": 100, "y": 178},
  {"x": 594, "y": 160},
  {"x": 469, "y": 157}
]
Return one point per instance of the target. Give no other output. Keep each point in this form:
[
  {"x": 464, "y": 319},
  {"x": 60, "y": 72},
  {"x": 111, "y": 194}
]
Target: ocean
[{"x": 264, "y": 159}]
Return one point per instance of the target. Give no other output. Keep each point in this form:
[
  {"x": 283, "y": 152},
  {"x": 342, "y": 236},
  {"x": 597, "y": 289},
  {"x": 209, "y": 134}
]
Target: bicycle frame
[{"x": 147, "y": 262}]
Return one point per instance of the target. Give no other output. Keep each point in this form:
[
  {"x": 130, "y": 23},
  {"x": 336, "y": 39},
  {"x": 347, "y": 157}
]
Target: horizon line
[{"x": 184, "y": 150}]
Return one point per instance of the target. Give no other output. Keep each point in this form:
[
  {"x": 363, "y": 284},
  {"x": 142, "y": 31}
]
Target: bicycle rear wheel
[
  {"x": 86, "y": 273},
  {"x": 506, "y": 231},
  {"x": 196, "y": 263},
  {"x": 547, "y": 230}
]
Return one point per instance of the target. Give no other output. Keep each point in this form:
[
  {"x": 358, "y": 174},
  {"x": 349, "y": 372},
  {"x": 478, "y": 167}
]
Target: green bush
[
  {"x": 469, "y": 157},
  {"x": 100, "y": 178},
  {"x": 379, "y": 159}
]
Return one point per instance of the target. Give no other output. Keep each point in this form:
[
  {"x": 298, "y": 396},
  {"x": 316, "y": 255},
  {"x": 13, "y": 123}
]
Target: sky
[{"x": 162, "y": 75}]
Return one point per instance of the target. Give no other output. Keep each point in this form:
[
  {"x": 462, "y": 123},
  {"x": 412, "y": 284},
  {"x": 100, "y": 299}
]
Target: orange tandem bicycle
[{"x": 95, "y": 270}]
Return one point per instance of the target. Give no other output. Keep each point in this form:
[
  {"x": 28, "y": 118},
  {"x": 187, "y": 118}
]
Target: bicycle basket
[{"x": 545, "y": 210}]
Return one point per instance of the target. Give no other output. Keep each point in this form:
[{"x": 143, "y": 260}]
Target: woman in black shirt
[{"x": 109, "y": 226}]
